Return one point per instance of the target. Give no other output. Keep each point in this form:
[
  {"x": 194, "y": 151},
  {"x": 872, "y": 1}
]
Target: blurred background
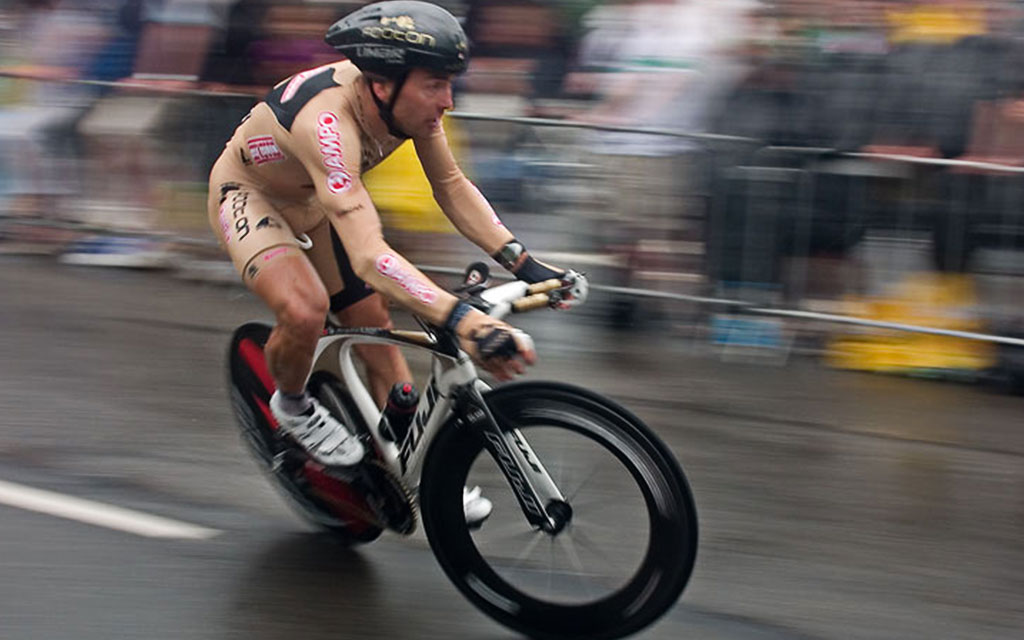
[
  {"x": 770, "y": 197},
  {"x": 852, "y": 157}
]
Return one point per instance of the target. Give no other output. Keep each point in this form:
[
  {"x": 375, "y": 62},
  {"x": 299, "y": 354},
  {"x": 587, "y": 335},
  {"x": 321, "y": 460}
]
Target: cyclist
[{"x": 287, "y": 202}]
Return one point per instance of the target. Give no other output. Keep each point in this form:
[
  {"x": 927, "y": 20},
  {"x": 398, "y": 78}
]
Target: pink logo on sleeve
[
  {"x": 270, "y": 255},
  {"x": 225, "y": 222},
  {"x": 338, "y": 178},
  {"x": 390, "y": 267}
]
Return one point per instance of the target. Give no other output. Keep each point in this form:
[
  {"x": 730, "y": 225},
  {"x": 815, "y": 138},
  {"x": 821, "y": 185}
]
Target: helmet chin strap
[{"x": 386, "y": 111}]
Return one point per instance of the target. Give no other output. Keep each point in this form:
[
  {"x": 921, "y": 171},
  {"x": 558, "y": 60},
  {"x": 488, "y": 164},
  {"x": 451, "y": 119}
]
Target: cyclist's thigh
[
  {"x": 331, "y": 262},
  {"x": 370, "y": 311},
  {"x": 250, "y": 228}
]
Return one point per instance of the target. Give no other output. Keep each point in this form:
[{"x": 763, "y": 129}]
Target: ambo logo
[{"x": 388, "y": 33}]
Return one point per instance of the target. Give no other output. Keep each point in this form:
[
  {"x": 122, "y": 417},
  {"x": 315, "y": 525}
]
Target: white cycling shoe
[
  {"x": 477, "y": 507},
  {"x": 326, "y": 440}
]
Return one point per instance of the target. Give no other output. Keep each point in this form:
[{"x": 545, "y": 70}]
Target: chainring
[{"x": 390, "y": 503}]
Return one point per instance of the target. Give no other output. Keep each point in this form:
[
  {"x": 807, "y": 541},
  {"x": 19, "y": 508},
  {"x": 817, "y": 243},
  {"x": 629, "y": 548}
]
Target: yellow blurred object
[
  {"x": 402, "y": 192},
  {"x": 936, "y": 24},
  {"x": 936, "y": 300}
]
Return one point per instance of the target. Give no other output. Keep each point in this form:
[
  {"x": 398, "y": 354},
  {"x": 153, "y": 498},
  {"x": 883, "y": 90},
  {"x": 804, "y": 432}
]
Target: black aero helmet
[{"x": 390, "y": 38}]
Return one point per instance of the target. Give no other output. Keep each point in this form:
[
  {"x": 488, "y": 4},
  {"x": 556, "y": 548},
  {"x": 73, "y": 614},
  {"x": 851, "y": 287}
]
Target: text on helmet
[{"x": 388, "y": 33}]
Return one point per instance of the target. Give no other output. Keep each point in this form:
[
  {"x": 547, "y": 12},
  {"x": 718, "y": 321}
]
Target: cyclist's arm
[
  {"x": 330, "y": 152},
  {"x": 501, "y": 350},
  {"x": 472, "y": 214},
  {"x": 460, "y": 200}
]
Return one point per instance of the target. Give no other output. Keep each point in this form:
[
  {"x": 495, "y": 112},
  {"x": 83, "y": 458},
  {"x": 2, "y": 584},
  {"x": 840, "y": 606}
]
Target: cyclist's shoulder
[{"x": 297, "y": 100}]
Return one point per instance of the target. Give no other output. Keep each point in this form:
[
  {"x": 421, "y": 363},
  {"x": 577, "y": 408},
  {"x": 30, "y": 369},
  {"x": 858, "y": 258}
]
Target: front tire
[{"x": 640, "y": 505}]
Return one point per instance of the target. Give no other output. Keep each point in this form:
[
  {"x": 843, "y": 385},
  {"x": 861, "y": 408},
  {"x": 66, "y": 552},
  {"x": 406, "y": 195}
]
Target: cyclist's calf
[{"x": 291, "y": 288}]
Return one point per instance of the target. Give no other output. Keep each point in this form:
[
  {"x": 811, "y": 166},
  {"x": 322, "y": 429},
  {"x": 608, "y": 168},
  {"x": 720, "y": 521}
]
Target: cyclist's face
[{"x": 425, "y": 97}]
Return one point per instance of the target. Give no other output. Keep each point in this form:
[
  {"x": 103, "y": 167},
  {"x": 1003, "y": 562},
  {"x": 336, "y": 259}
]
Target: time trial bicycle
[{"x": 594, "y": 528}]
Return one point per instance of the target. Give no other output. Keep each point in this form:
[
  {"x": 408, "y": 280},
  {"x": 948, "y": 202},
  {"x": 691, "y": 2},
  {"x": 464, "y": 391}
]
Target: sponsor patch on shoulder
[
  {"x": 264, "y": 149},
  {"x": 293, "y": 85}
]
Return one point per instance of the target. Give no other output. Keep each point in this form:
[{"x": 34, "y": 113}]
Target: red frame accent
[{"x": 252, "y": 353}]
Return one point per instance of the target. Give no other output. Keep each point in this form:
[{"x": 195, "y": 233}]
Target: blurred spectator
[
  {"x": 855, "y": 27},
  {"x": 653, "y": 63},
  {"x": 228, "y": 62},
  {"x": 937, "y": 21},
  {"x": 656, "y": 64},
  {"x": 52, "y": 40},
  {"x": 520, "y": 49},
  {"x": 291, "y": 39}
]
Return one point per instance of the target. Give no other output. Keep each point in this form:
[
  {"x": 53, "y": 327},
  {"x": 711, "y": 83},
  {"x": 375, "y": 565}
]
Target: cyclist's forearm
[
  {"x": 392, "y": 275},
  {"x": 472, "y": 215},
  {"x": 380, "y": 266}
]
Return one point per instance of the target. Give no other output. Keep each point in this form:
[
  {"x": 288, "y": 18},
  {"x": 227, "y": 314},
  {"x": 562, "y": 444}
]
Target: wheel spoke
[
  {"x": 521, "y": 558},
  {"x": 593, "y": 471},
  {"x": 588, "y": 543},
  {"x": 579, "y": 522},
  {"x": 507, "y": 531},
  {"x": 574, "y": 558}
]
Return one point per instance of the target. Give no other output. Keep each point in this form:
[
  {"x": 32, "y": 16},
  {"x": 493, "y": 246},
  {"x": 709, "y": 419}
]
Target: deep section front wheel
[
  {"x": 320, "y": 497},
  {"x": 629, "y": 545}
]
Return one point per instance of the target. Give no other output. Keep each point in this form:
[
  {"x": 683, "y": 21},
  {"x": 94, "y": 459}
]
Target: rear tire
[
  {"x": 314, "y": 495},
  {"x": 609, "y": 452}
]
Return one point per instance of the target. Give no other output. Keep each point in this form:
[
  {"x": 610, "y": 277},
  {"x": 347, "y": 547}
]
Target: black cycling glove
[{"x": 514, "y": 257}]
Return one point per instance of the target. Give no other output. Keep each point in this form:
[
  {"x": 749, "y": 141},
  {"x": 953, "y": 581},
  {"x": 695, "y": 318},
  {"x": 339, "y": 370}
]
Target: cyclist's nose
[{"x": 447, "y": 101}]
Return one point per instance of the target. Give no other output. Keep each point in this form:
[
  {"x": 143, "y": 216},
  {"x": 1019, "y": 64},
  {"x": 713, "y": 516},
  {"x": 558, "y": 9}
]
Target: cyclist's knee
[{"x": 302, "y": 314}]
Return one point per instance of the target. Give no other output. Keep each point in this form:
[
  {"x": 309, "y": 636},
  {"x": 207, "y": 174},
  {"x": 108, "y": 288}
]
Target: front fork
[{"x": 543, "y": 504}]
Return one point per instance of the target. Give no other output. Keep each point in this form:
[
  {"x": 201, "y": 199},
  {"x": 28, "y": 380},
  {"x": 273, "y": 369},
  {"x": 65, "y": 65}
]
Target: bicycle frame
[
  {"x": 405, "y": 459},
  {"x": 453, "y": 388}
]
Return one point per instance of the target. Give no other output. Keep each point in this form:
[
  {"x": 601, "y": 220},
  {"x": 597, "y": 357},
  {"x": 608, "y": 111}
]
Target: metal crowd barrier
[{"x": 710, "y": 142}]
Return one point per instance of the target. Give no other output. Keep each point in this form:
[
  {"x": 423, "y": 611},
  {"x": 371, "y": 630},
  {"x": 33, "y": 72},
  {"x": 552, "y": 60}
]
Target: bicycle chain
[{"x": 392, "y": 503}]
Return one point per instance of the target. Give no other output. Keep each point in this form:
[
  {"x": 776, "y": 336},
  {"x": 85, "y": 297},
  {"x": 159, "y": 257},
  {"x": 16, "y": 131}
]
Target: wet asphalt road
[{"x": 832, "y": 504}]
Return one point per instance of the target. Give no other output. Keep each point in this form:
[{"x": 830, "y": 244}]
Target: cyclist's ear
[{"x": 380, "y": 87}]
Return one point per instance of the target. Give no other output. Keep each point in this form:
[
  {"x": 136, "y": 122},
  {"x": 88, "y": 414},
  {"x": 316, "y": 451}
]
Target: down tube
[{"x": 433, "y": 411}]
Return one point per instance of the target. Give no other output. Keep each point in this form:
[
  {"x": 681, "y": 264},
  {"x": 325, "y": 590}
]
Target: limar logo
[{"x": 402, "y": 22}]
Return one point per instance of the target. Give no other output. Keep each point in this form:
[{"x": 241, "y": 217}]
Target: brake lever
[{"x": 475, "y": 281}]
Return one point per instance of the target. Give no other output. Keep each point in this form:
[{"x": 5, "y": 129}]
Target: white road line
[{"x": 99, "y": 514}]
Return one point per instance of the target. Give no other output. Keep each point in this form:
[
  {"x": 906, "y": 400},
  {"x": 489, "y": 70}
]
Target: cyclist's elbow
[
  {"x": 370, "y": 259},
  {"x": 363, "y": 264}
]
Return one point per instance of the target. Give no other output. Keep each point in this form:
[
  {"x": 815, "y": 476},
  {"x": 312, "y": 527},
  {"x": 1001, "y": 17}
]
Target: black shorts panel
[{"x": 355, "y": 288}]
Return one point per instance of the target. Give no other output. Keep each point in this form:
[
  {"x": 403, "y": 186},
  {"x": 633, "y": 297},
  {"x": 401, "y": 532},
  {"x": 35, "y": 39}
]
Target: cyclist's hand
[
  {"x": 501, "y": 349},
  {"x": 574, "y": 291},
  {"x": 514, "y": 257}
]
